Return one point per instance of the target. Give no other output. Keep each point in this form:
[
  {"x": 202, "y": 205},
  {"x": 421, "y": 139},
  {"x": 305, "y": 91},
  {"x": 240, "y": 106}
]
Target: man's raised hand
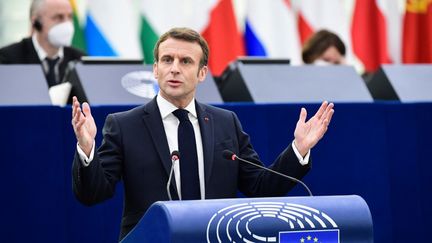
[
  {"x": 308, "y": 133},
  {"x": 84, "y": 125}
]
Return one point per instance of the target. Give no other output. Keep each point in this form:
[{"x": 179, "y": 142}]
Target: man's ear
[
  {"x": 202, "y": 73},
  {"x": 155, "y": 70},
  {"x": 36, "y": 23}
]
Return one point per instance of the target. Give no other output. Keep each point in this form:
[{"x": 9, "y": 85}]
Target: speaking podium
[{"x": 282, "y": 219}]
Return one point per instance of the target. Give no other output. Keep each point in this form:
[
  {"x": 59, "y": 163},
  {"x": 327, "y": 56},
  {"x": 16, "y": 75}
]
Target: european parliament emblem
[
  {"x": 140, "y": 83},
  {"x": 310, "y": 236},
  {"x": 287, "y": 222}
]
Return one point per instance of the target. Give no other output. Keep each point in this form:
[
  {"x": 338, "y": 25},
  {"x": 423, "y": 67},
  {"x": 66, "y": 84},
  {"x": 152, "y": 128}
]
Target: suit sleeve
[
  {"x": 4, "y": 59},
  {"x": 256, "y": 182},
  {"x": 96, "y": 182}
]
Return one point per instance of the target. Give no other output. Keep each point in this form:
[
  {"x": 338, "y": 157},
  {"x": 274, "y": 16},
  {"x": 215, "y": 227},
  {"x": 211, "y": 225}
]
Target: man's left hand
[{"x": 308, "y": 133}]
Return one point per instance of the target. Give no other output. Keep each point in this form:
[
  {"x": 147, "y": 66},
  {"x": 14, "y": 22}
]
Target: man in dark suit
[
  {"x": 52, "y": 32},
  {"x": 137, "y": 144}
]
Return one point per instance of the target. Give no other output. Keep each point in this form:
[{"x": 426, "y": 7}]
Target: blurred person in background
[
  {"x": 51, "y": 35},
  {"x": 324, "y": 48}
]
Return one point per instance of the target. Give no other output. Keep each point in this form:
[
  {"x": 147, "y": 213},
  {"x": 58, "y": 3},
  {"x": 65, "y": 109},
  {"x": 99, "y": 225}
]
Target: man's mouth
[{"x": 174, "y": 82}]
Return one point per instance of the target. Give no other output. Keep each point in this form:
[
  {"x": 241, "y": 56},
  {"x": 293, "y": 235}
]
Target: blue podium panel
[
  {"x": 126, "y": 84},
  {"x": 207, "y": 91},
  {"x": 288, "y": 220},
  {"x": 407, "y": 83},
  {"x": 23, "y": 84},
  {"x": 111, "y": 84},
  {"x": 281, "y": 83}
]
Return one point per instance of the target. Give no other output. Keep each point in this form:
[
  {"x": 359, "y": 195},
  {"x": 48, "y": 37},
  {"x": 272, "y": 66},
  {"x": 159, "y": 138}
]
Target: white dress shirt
[
  {"x": 171, "y": 123},
  {"x": 43, "y": 55}
]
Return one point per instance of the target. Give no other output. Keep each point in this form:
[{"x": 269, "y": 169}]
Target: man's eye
[
  {"x": 186, "y": 61},
  {"x": 166, "y": 60}
]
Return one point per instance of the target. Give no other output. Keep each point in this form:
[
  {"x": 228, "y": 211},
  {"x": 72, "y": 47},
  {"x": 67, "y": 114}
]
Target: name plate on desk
[{"x": 285, "y": 219}]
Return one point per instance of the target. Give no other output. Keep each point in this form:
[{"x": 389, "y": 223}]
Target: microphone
[
  {"x": 227, "y": 154},
  {"x": 175, "y": 155}
]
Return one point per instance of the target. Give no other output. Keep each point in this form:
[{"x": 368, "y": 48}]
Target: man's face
[
  {"x": 54, "y": 12},
  {"x": 177, "y": 70}
]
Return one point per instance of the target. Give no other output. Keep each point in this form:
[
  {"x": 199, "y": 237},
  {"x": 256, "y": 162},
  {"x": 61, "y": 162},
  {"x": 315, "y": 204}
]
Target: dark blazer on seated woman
[{"x": 135, "y": 149}]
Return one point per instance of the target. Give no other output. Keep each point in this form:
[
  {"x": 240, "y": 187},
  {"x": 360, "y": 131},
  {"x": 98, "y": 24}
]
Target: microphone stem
[
  {"x": 286, "y": 176},
  {"x": 169, "y": 180}
]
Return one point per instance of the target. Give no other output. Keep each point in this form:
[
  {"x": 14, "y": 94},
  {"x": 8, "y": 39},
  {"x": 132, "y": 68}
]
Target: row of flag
[{"x": 374, "y": 31}]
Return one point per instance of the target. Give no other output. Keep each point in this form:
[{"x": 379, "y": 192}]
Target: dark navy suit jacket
[{"x": 135, "y": 149}]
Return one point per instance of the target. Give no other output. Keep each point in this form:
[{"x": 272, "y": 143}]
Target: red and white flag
[{"x": 370, "y": 34}]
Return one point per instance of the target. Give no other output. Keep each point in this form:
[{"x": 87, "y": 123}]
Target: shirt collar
[
  {"x": 41, "y": 52},
  {"x": 166, "y": 108}
]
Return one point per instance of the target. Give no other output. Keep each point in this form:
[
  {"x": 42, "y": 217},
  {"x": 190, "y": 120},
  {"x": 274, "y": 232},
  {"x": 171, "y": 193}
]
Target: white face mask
[
  {"x": 61, "y": 34},
  {"x": 320, "y": 62}
]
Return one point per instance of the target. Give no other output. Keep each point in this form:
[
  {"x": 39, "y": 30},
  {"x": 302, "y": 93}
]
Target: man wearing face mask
[{"x": 52, "y": 31}]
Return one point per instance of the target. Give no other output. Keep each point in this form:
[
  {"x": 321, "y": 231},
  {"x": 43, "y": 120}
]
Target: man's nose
[{"x": 175, "y": 67}]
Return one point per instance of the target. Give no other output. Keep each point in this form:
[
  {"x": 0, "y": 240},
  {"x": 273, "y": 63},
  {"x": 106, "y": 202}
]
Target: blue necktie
[{"x": 190, "y": 185}]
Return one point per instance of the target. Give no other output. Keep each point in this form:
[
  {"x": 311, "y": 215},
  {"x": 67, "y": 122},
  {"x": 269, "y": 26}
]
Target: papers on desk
[{"x": 59, "y": 94}]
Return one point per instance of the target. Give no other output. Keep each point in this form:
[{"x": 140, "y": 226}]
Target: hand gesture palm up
[
  {"x": 84, "y": 125},
  {"x": 308, "y": 133}
]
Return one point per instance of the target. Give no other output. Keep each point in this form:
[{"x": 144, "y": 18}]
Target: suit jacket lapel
[
  {"x": 153, "y": 122},
  {"x": 206, "y": 123},
  {"x": 32, "y": 56}
]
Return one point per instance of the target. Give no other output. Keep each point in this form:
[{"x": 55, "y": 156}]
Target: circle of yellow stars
[{"x": 308, "y": 238}]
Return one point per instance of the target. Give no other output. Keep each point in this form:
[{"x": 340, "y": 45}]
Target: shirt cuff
[
  {"x": 302, "y": 161},
  {"x": 83, "y": 157}
]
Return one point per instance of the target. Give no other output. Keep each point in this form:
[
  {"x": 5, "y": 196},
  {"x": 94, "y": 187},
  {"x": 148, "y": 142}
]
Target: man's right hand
[{"x": 84, "y": 125}]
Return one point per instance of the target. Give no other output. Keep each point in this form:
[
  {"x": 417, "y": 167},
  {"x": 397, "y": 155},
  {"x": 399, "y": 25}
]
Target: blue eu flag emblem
[{"x": 310, "y": 236}]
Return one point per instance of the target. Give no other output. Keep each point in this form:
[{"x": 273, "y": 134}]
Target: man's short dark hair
[
  {"x": 318, "y": 43},
  {"x": 188, "y": 35}
]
